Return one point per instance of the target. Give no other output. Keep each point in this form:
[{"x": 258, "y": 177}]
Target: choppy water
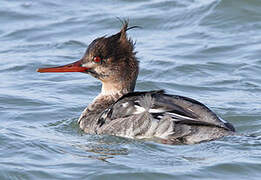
[{"x": 209, "y": 50}]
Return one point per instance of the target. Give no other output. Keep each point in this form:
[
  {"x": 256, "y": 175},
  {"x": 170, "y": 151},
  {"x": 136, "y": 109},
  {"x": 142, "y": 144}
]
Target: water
[{"x": 205, "y": 49}]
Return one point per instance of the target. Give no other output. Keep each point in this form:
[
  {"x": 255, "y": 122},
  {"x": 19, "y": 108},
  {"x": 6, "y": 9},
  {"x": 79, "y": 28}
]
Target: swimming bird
[{"x": 119, "y": 111}]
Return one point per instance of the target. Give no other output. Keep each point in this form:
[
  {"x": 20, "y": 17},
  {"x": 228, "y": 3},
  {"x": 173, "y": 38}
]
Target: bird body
[{"x": 120, "y": 111}]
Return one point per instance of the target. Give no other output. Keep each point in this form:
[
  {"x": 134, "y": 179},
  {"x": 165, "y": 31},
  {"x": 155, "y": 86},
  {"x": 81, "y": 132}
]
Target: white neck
[
  {"x": 109, "y": 93},
  {"x": 113, "y": 88}
]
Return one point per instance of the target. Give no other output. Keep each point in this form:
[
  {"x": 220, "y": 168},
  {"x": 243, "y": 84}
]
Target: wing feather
[{"x": 181, "y": 109}]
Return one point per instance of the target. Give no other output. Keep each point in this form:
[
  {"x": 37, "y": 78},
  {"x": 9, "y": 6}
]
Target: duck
[{"x": 118, "y": 110}]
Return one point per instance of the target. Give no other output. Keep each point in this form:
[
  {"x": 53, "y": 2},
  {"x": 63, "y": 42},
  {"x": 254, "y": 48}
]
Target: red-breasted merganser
[{"x": 119, "y": 111}]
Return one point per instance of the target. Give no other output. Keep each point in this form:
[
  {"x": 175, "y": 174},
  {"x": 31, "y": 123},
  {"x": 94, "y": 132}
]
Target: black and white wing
[{"x": 181, "y": 110}]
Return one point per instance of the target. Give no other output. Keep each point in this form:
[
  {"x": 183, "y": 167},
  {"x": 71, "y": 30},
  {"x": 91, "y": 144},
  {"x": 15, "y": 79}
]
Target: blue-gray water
[{"x": 209, "y": 50}]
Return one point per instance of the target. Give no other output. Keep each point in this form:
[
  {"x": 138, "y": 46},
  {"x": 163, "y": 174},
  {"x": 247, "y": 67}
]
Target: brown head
[{"x": 109, "y": 59}]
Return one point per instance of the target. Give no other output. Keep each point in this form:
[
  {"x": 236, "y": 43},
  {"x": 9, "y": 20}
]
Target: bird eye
[{"x": 97, "y": 59}]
